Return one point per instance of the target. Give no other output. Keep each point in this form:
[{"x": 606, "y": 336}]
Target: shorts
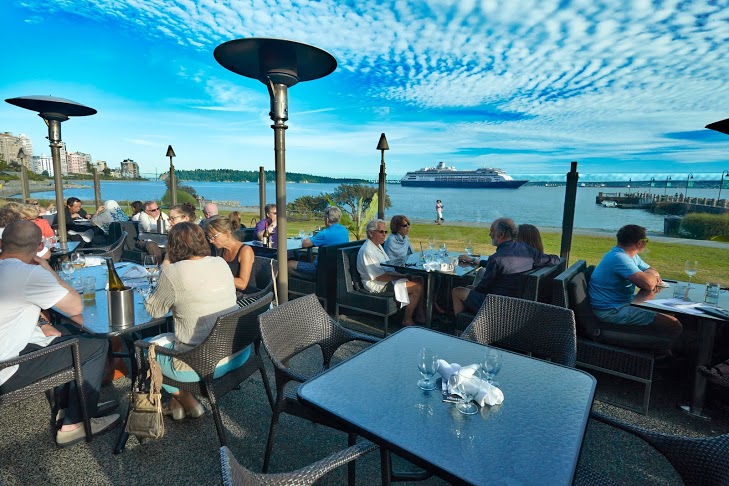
[
  {"x": 306, "y": 267},
  {"x": 626, "y": 315},
  {"x": 474, "y": 301}
]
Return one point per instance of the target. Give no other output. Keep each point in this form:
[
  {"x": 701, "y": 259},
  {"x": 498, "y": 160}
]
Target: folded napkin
[
  {"x": 487, "y": 393},
  {"x": 135, "y": 272},
  {"x": 401, "y": 292},
  {"x": 431, "y": 266},
  {"x": 94, "y": 261}
]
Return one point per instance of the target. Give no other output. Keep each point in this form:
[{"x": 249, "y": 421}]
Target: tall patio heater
[
  {"x": 54, "y": 111},
  {"x": 279, "y": 64}
]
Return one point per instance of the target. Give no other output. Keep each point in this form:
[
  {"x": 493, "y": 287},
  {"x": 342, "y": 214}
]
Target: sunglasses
[
  {"x": 153, "y": 209},
  {"x": 645, "y": 240},
  {"x": 405, "y": 225},
  {"x": 382, "y": 232},
  {"x": 212, "y": 238}
]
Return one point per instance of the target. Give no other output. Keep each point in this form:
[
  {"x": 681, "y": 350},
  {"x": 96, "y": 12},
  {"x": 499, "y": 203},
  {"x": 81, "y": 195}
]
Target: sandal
[{"x": 177, "y": 413}]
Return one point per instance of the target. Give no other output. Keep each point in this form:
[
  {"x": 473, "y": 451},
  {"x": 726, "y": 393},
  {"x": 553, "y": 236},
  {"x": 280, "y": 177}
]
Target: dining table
[
  {"x": 691, "y": 305},
  {"x": 533, "y": 437},
  {"x": 416, "y": 264},
  {"x": 94, "y": 320},
  {"x": 293, "y": 244}
]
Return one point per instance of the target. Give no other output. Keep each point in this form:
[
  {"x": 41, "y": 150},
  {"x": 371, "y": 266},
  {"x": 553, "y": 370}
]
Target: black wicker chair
[
  {"x": 288, "y": 330},
  {"x": 47, "y": 383},
  {"x": 236, "y": 475},
  {"x": 352, "y": 295},
  {"x": 129, "y": 250},
  {"x": 632, "y": 364},
  {"x": 699, "y": 461},
  {"x": 263, "y": 276},
  {"x": 231, "y": 333},
  {"x": 113, "y": 250},
  {"x": 541, "y": 330},
  {"x": 245, "y": 234}
]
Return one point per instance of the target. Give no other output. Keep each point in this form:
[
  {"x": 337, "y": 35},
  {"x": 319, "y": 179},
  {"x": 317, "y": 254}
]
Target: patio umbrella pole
[
  {"x": 568, "y": 217},
  {"x": 279, "y": 114}
]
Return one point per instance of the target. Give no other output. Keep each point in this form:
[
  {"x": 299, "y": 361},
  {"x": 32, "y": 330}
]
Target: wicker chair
[
  {"x": 231, "y": 333},
  {"x": 287, "y": 330},
  {"x": 699, "y": 461},
  {"x": 352, "y": 295},
  {"x": 47, "y": 383},
  {"x": 236, "y": 475},
  {"x": 542, "y": 330},
  {"x": 114, "y": 250},
  {"x": 263, "y": 276},
  {"x": 245, "y": 234},
  {"x": 129, "y": 250}
]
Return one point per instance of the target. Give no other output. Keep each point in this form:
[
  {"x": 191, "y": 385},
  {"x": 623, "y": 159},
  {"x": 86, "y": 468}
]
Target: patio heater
[
  {"x": 173, "y": 178},
  {"x": 24, "y": 184},
  {"x": 382, "y": 146},
  {"x": 54, "y": 111},
  {"x": 262, "y": 192},
  {"x": 568, "y": 216},
  {"x": 279, "y": 64}
]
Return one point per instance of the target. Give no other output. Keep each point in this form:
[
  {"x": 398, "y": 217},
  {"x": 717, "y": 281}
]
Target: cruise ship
[{"x": 442, "y": 176}]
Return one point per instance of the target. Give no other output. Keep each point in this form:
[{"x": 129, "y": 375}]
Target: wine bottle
[
  {"x": 115, "y": 283},
  {"x": 265, "y": 235}
]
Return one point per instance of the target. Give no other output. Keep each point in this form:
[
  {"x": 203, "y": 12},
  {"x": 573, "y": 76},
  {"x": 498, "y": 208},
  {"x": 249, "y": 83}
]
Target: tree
[
  {"x": 45, "y": 173},
  {"x": 107, "y": 172}
]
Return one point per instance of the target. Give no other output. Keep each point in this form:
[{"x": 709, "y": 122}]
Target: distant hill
[{"x": 231, "y": 175}]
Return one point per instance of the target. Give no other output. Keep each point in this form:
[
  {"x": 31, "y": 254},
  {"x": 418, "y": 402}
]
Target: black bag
[{"x": 145, "y": 407}]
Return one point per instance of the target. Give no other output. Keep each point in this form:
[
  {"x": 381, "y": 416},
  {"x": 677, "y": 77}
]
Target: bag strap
[
  {"x": 154, "y": 373},
  {"x": 273, "y": 279}
]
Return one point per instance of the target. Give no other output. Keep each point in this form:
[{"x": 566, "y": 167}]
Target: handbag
[{"x": 145, "y": 408}]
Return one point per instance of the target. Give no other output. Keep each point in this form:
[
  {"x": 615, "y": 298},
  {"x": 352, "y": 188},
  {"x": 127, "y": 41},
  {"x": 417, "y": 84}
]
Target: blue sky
[{"x": 528, "y": 86}]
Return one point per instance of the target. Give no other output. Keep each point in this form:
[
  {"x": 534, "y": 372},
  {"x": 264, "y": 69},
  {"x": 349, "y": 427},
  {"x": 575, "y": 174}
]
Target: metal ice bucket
[{"x": 121, "y": 307}]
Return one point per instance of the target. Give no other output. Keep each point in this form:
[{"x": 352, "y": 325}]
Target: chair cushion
[
  {"x": 356, "y": 279},
  {"x": 587, "y": 322}
]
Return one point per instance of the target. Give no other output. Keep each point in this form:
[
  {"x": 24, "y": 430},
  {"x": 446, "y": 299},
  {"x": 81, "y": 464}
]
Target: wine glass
[
  {"x": 467, "y": 384},
  {"x": 78, "y": 260},
  {"x": 153, "y": 278},
  {"x": 67, "y": 268},
  {"x": 691, "y": 267},
  {"x": 431, "y": 244},
  {"x": 302, "y": 234},
  {"x": 491, "y": 364},
  {"x": 428, "y": 367},
  {"x": 469, "y": 249},
  {"x": 150, "y": 263},
  {"x": 443, "y": 249}
]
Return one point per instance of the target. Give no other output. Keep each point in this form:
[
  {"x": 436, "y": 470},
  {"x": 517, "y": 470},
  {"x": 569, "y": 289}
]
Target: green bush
[
  {"x": 182, "y": 197},
  {"x": 704, "y": 226},
  {"x": 307, "y": 207}
]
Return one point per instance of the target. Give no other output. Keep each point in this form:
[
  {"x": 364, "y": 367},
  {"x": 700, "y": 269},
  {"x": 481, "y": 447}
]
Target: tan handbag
[{"x": 145, "y": 414}]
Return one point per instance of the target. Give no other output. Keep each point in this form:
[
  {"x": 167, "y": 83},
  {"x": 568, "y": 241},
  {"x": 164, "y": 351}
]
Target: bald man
[
  {"x": 27, "y": 285},
  {"x": 210, "y": 211}
]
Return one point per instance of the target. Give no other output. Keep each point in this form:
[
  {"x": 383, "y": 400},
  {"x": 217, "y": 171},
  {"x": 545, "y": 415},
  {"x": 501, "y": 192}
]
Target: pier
[{"x": 651, "y": 202}]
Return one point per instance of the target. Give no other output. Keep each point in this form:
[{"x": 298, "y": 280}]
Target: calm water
[{"x": 541, "y": 206}]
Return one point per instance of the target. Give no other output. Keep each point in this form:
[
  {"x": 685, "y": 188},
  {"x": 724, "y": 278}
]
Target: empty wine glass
[
  {"x": 431, "y": 244},
  {"x": 428, "y": 367},
  {"x": 153, "y": 278},
  {"x": 302, "y": 234},
  {"x": 467, "y": 383},
  {"x": 691, "y": 267},
  {"x": 67, "y": 268},
  {"x": 491, "y": 364},
  {"x": 78, "y": 260},
  {"x": 150, "y": 263},
  {"x": 443, "y": 249}
]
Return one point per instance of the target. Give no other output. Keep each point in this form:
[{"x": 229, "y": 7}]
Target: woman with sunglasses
[
  {"x": 239, "y": 257},
  {"x": 397, "y": 245}
]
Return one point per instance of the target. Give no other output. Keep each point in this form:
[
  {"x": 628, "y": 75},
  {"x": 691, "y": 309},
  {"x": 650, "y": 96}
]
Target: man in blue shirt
[
  {"x": 333, "y": 234},
  {"x": 613, "y": 282}
]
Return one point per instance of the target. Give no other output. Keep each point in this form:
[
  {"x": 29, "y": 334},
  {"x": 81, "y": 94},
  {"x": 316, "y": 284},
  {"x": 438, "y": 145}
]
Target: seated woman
[
  {"x": 235, "y": 224},
  {"x": 137, "y": 210},
  {"x": 397, "y": 245},
  {"x": 529, "y": 234},
  {"x": 197, "y": 288},
  {"x": 182, "y": 213},
  {"x": 239, "y": 257},
  {"x": 30, "y": 212},
  {"x": 109, "y": 213}
]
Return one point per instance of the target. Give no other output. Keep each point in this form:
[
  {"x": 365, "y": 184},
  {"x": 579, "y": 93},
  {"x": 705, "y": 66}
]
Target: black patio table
[
  {"x": 414, "y": 264},
  {"x": 533, "y": 437},
  {"x": 292, "y": 244},
  {"x": 94, "y": 321},
  {"x": 58, "y": 253},
  {"x": 707, "y": 333}
]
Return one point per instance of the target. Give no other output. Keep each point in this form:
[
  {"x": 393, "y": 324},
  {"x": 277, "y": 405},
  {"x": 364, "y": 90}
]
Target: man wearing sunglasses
[
  {"x": 612, "y": 289},
  {"x": 149, "y": 217}
]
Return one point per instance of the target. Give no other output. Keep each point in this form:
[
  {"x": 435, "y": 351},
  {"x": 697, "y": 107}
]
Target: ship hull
[{"x": 465, "y": 184}]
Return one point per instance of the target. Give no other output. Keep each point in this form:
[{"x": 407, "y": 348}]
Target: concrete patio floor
[{"x": 188, "y": 454}]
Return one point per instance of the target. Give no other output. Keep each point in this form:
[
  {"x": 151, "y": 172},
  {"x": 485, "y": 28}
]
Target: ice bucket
[{"x": 121, "y": 307}]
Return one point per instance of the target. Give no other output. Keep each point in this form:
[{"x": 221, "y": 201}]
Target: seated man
[
  {"x": 27, "y": 285},
  {"x": 74, "y": 212},
  {"x": 333, "y": 234},
  {"x": 377, "y": 280},
  {"x": 148, "y": 222},
  {"x": 267, "y": 228},
  {"x": 210, "y": 211},
  {"x": 504, "y": 270},
  {"x": 612, "y": 288}
]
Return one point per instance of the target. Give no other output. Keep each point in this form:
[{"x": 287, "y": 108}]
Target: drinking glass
[
  {"x": 431, "y": 244},
  {"x": 302, "y": 234},
  {"x": 78, "y": 260},
  {"x": 150, "y": 263},
  {"x": 153, "y": 278},
  {"x": 491, "y": 364},
  {"x": 309, "y": 234},
  {"x": 443, "y": 249},
  {"x": 428, "y": 367},
  {"x": 469, "y": 248},
  {"x": 67, "y": 268},
  {"x": 691, "y": 267},
  {"x": 467, "y": 385},
  {"x": 89, "y": 283}
]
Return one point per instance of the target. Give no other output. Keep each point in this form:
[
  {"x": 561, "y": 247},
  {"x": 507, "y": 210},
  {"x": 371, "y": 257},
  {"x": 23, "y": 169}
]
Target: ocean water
[{"x": 537, "y": 205}]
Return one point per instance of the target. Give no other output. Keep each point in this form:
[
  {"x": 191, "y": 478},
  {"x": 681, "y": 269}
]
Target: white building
[
  {"x": 39, "y": 163},
  {"x": 78, "y": 162},
  {"x": 129, "y": 169}
]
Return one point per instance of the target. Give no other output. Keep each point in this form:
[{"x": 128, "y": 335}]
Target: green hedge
[
  {"x": 182, "y": 197},
  {"x": 704, "y": 226}
]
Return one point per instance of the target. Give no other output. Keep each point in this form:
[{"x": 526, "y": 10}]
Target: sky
[{"x": 621, "y": 87}]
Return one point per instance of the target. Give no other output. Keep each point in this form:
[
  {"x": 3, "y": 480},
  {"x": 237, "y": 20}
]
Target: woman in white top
[{"x": 197, "y": 288}]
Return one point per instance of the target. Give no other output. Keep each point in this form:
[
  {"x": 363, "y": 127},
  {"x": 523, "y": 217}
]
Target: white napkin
[
  {"x": 487, "y": 393},
  {"x": 401, "y": 292},
  {"x": 94, "y": 261},
  {"x": 85, "y": 235},
  {"x": 135, "y": 272}
]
